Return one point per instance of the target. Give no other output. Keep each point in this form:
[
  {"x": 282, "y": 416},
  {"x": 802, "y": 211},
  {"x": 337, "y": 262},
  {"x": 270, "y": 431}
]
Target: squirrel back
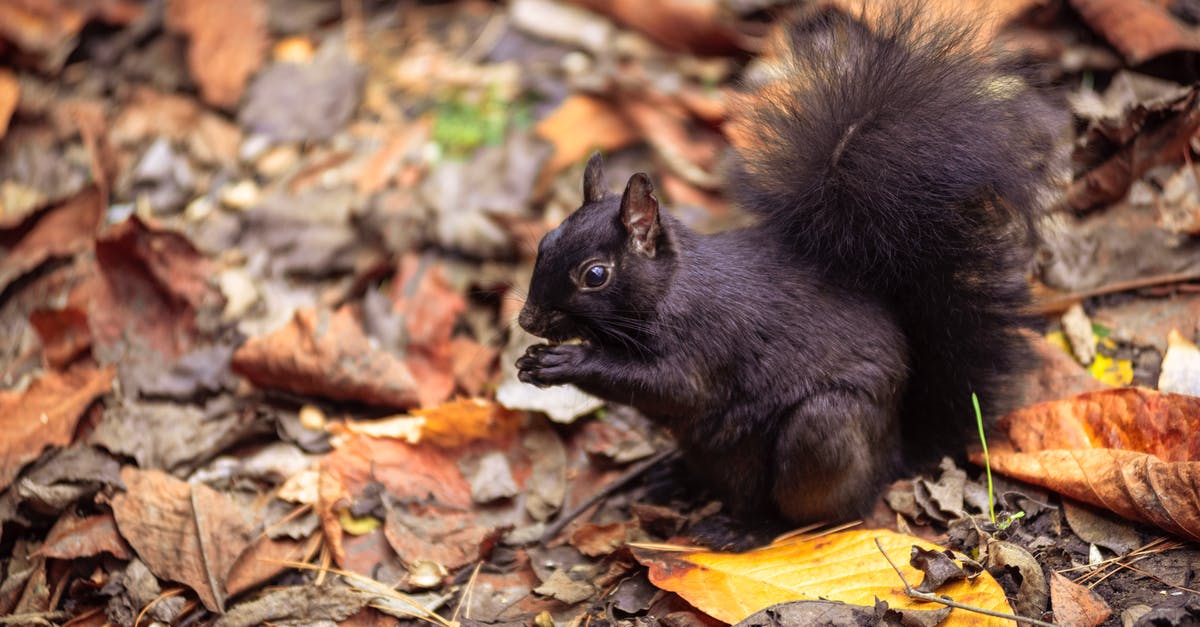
[{"x": 900, "y": 160}]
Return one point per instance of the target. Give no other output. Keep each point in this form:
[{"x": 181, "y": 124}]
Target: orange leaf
[
  {"x": 1133, "y": 419},
  {"x": 1133, "y": 451},
  {"x": 53, "y": 232},
  {"x": 1139, "y": 29},
  {"x": 45, "y": 414},
  {"x": 326, "y": 354},
  {"x": 580, "y": 125},
  {"x": 1134, "y": 485},
  {"x": 845, "y": 566},
  {"x": 10, "y": 94},
  {"x": 228, "y": 43},
  {"x": 462, "y": 421}
]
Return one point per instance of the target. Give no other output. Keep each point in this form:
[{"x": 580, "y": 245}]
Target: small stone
[
  {"x": 277, "y": 161},
  {"x": 312, "y": 418},
  {"x": 199, "y": 208},
  {"x": 240, "y": 292},
  {"x": 294, "y": 49},
  {"x": 241, "y": 195},
  {"x": 425, "y": 574}
]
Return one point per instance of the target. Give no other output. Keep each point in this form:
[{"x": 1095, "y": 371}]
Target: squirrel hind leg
[{"x": 833, "y": 456}]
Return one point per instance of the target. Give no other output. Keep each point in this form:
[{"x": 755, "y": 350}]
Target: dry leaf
[
  {"x": 64, "y": 333},
  {"x": 845, "y": 566},
  {"x": 10, "y": 95},
  {"x": 430, "y": 307},
  {"x": 1132, "y": 419},
  {"x": 228, "y": 43},
  {"x": 45, "y": 414},
  {"x": 1159, "y": 133},
  {"x": 1139, "y": 29},
  {"x": 461, "y": 422},
  {"x": 154, "y": 286},
  {"x": 686, "y": 25},
  {"x": 327, "y": 354},
  {"x": 1132, "y": 451},
  {"x": 580, "y": 125},
  {"x": 1137, "y": 486},
  {"x": 1076, "y": 605},
  {"x": 75, "y": 536},
  {"x": 184, "y": 532},
  {"x": 54, "y": 232}
]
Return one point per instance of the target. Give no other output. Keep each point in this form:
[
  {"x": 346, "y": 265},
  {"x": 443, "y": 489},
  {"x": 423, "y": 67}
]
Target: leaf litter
[{"x": 236, "y": 238}]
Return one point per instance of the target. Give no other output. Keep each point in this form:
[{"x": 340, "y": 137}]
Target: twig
[
  {"x": 35, "y": 618},
  {"x": 603, "y": 493},
  {"x": 1059, "y": 303},
  {"x": 933, "y": 598}
]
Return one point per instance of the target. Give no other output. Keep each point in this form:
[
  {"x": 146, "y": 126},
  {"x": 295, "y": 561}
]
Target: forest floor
[{"x": 260, "y": 262}]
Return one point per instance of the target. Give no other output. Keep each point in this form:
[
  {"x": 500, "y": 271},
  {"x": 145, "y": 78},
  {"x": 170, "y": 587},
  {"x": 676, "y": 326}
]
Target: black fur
[{"x": 802, "y": 361}]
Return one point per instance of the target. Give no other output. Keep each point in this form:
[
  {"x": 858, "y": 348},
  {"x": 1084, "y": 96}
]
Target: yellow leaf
[
  {"x": 1116, "y": 372},
  {"x": 845, "y": 566},
  {"x": 357, "y": 525}
]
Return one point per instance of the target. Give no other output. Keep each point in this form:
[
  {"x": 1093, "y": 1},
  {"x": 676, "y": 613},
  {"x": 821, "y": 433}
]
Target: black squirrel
[{"x": 801, "y": 362}]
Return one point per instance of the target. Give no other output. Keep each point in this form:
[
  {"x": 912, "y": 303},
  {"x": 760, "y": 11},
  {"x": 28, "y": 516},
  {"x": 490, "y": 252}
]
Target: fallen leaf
[
  {"x": 327, "y": 354},
  {"x": 263, "y": 560},
  {"x": 1154, "y": 133},
  {"x": 1135, "y": 485},
  {"x": 837, "y": 614},
  {"x": 154, "y": 286},
  {"x": 1076, "y": 605},
  {"x": 580, "y": 125},
  {"x": 64, "y": 333},
  {"x": 227, "y": 43},
  {"x": 696, "y": 26},
  {"x": 74, "y": 536},
  {"x": 1132, "y": 419},
  {"x": 184, "y": 532},
  {"x": 1139, "y": 29},
  {"x": 463, "y": 421},
  {"x": 10, "y": 95},
  {"x": 430, "y": 307},
  {"x": 54, "y": 232},
  {"x": 845, "y": 566},
  {"x": 45, "y": 414}
]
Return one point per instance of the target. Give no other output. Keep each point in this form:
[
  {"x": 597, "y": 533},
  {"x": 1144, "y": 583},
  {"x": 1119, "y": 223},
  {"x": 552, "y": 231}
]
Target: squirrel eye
[{"x": 595, "y": 275}]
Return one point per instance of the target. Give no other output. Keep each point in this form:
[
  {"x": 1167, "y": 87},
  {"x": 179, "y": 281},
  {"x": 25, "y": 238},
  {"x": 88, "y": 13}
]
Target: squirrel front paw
[{"x": 545, "y": 364}]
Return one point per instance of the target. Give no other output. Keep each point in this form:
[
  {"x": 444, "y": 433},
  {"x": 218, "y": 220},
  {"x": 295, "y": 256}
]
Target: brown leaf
[
  {"x": 261, "y": 561},
  {"x": 1132, "y": 419},
  {"x": 686, "y": 25},
  {"x": 54, "y": 232},
  {"x": 154, "y": 284},
  {"x": 327, "y": 354},
  {"x": 1139, "y": 29},
  {"x": 464, "y": 421},
  {"x": 473, "y": 364},
  {"x": 1076, "y": 605},
  {"x": 1132, "y": 451},
  {"x": 64, "y": 333},
  {"x": 228, "y": 43},
  {"x": 10, "y": 95},
  {"x": 1134, "y": 485},
  {"x": 45, "y": 414},
  {"x": 74, "y": 536},
  {"x": 430, "y": 307},
  {"x": 580, "y": 125},
  {"x": 184, "y": 532},
  {"x": 1159, "y": 133}
]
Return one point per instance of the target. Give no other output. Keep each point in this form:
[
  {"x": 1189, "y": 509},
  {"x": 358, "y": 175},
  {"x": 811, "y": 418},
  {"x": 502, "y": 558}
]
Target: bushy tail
[{"x": 901, "y": 161}]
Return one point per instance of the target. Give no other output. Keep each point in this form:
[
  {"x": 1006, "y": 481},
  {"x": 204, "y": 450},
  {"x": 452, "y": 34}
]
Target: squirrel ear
[
  {"x": 594, "y": 186},
  {"x": 639, "y": 214}
]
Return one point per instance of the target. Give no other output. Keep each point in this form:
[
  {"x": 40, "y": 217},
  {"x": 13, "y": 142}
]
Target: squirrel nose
[{"x": 528, "y": 319}]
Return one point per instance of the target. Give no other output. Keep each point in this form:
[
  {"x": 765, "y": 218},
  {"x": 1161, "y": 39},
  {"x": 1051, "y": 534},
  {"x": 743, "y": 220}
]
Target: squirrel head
[{"x": 600, "y": 274}]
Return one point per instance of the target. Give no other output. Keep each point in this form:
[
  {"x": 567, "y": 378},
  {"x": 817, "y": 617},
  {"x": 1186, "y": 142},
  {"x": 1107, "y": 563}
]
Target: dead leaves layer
[{"x": 1132, "y": 451}]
